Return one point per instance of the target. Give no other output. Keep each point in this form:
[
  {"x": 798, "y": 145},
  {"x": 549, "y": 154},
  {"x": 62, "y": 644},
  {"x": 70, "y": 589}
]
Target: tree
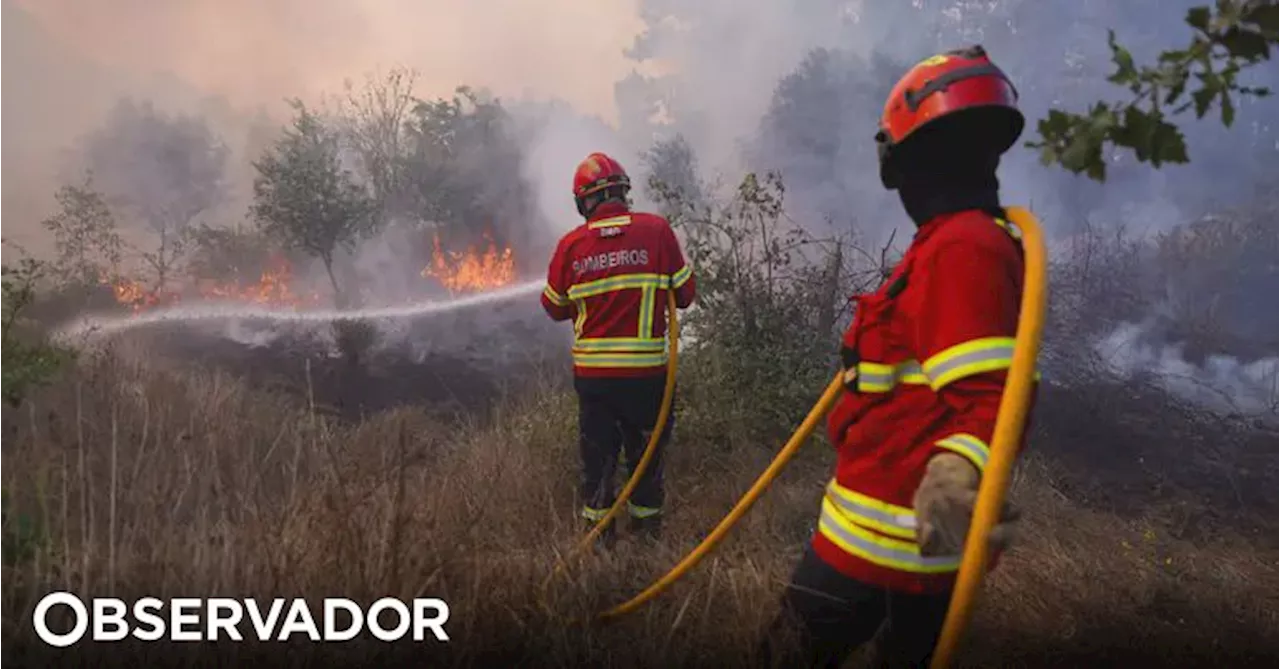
[
  {"x": 227, "y": 255},
  {"x": 85, "y": 237},
  {"x": 814, "y": 133},
  {"x": 305, "y": 199},
  {"x": 672, "y": 175},
  {"x": 27, "y": 361},
  {"x": 465, "y": 169},
  {"x": 167, "y": 170},
  {"x": 1228, "y": 38},
  {"x": 374, "y": 118}
]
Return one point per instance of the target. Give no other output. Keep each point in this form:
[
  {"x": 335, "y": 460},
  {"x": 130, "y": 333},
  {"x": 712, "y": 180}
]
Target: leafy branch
[
  {"x": 27, "y": 362},
  {"x": 1233, "y": 35}
]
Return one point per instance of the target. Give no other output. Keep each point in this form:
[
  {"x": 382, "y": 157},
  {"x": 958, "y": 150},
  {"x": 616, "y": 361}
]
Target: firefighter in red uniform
[
  {"x": 611, "y": 275},
  {"x": 925, "y": 362}
]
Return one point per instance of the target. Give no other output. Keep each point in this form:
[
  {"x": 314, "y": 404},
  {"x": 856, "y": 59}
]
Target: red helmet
[
  {"x": 596, "y": 173},
  {"x": 964, "y": 80}
]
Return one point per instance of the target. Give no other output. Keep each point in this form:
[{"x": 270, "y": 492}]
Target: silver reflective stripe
[
  {"x": 969, "y": 446},
  {"x": 891, "y": 556},
  {"x": 991, "y": 353},
  {"x": 855, "y": 508}
]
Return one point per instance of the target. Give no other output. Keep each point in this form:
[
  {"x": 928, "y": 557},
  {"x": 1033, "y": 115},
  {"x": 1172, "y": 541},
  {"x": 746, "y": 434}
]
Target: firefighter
[
  {"x": 611, "y": 276},
  {"x": 925, "y": 361}
]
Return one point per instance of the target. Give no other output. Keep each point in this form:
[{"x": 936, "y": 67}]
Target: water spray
[{"x": 98, "y": 326}]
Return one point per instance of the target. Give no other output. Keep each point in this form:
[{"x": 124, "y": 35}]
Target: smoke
[
  {"x": 751, "y": 84},
  {"x": 1222, "y": 383},
  {"x": 559, "y": 138},
  {"x": 66, "y": 62}
]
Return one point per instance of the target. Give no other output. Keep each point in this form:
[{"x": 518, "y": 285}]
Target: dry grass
[{"x": 150, "y": 481}]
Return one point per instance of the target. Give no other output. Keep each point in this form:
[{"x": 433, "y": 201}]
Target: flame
[
  {"x": 273, "y": 288},
  {"x": 136, "y": 295},
  {"x": 470, "y": 271}
]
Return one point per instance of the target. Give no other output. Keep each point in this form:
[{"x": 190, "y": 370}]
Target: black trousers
[
  {"x": 826, "y": 616},
  {"x": 618, "y": 415}
]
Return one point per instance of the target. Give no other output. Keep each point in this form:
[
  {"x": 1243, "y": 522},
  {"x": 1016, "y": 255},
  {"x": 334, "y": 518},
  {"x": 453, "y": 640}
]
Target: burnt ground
[
  {"x": 1115, "y": 446},
  {"x": 449, "y": 365},
  {"x": 1132, "y": 450}
]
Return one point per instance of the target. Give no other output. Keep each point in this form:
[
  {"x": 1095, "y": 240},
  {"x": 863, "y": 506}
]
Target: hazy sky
[
  {"x": 66, "y": 61},
  {"x": 257, "y": 50}
]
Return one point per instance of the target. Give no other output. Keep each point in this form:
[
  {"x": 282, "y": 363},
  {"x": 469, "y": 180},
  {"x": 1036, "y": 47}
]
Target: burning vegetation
[
  {"x": 471, "y": 271},
  {"x": 274, "y": 287}
]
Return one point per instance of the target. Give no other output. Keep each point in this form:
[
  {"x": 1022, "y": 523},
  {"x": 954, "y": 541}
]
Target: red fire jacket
[
  {"x": 925, "y": 362},
  {"x": 611, "y": 275}
]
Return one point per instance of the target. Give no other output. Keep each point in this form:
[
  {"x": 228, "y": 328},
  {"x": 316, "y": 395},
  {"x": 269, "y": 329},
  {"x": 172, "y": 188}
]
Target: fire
[
  {"x": 471, "y": 271},
  {"x": 273, "y": 288},
  {"x": 136, "y": 295}
]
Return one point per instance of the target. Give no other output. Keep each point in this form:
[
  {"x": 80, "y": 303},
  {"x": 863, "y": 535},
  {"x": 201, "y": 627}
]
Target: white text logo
[{"x": 192, "y": 619}]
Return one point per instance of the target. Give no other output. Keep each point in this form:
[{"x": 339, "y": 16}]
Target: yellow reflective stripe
[
  {"x": 593, "y": 514},
  {"x": 681, "y": 276},
  {"x": 878, "y": 549},
  {"x": 645, "y": 321},
  {"x": 879, "y": 377},
  {"x": 886, "y": 518},
  {"x": 582, "y": 317},
  {"x": 612, "y": 283},
  {"x": 987, "y": 354},
  {"x": 587, "y": 359},
  {"x": 554, "y": 297},
  {"x": 636, "y": 344},
  {"x": 638, "y": 511},
  {"x": 969, "y": 446},
  {"x": 612, "y": 222},
  {"x": 648, "y": 283}
]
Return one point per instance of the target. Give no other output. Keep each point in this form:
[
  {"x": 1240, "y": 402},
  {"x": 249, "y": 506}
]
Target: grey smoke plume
[{"x": 1222, "y": 383}]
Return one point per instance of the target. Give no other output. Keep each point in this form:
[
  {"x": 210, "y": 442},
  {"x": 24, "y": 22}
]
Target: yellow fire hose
[
  {"x": 1008, "y": 430},
  {"x": 775, "y": 468},
  {"x": 995, "y": 480},
  {"x": 673, "y": 338}
]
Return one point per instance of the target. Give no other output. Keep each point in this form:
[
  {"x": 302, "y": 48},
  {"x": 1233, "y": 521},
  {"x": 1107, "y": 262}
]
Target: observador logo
[{"x": 214, "y": 619}]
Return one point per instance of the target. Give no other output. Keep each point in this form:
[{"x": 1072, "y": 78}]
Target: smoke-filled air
[{"x": 275, "y": 325}]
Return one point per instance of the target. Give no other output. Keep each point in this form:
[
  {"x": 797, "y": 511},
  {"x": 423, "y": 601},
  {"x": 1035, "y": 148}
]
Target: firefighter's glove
[{"x": 944, "y": 507}]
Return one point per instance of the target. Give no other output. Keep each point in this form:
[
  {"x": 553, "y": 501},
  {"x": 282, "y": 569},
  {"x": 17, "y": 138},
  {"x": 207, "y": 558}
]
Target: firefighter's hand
[{"x": 944, "y": 506}]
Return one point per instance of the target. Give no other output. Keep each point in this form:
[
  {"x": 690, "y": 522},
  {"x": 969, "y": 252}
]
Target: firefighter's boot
[{"x": 647, "y": 529}]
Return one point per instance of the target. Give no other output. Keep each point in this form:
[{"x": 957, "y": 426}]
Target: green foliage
[
  {"x": 463, "y": 168},
  {"x": 305, "y": 199},
  {"x": 227, "y": 254},
  {"x": 672, "y": 175},
  {"x": 770, "y": 299},
  {"x": 85, "y": 237},
  {"x": 451, "y": 164},
  {"x": 1229, "y": 37},
  {"x": 27, "y": 361}
]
